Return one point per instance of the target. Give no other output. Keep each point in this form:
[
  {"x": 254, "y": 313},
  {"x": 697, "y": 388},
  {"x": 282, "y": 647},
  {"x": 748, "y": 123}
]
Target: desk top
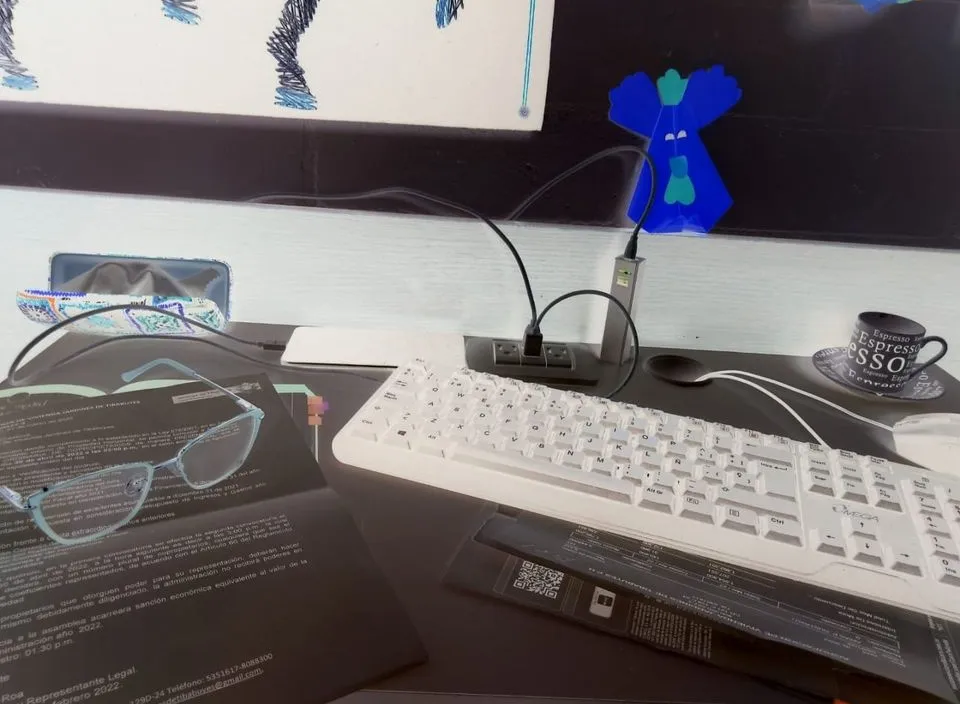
[{"x": 482, "y": 647}]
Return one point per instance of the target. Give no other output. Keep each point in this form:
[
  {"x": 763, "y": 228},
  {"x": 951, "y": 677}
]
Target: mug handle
[{"x": 936, "y": 358}]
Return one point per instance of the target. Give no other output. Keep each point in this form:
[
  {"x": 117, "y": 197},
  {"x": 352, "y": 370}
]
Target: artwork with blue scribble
[
  {"x": 876, "y": 5},
  {"x": 283, "y": 45},
  {"x": 690, "y": 193}
]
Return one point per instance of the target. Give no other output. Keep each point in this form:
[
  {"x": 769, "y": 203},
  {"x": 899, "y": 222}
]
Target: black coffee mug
[{"x": 882, "y": 353}]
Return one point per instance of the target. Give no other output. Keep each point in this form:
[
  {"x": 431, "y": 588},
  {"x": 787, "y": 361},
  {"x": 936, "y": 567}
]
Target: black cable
[
  {"x": 393, "y": 191},
  {"x": 630, "y": 252},
  {"x": 11, "y": 373},
  {"x": 626, "y": 313},
  {"x": 580, "y": 166}
]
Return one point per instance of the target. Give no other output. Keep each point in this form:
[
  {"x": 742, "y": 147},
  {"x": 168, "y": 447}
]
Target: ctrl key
[{"x": 784, "y": 530}]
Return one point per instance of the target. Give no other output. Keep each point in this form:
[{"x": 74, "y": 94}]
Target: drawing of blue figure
[
  {"x": 690, "y": 193},
  {"x": 284, "y": 46},
  {"x": 15, "y": 75},
  {"x": 875, "y": 5},
  {"x": 184, "y": 11}
]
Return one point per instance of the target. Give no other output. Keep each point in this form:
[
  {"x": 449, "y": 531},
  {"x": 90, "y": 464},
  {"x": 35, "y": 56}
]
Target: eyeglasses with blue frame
[{"x": 85, "y": 508}]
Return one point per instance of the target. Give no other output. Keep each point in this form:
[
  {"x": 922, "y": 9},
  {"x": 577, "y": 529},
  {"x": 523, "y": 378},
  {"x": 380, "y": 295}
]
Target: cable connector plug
[{"x": 532, "y": 341}]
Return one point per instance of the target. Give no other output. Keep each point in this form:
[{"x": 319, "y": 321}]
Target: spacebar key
[{"x": 548, "y": 473}]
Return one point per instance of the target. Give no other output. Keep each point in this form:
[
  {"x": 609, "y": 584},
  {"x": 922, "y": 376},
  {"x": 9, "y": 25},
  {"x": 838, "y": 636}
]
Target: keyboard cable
[
  {"x": 623, "y": 309},
  {"x": 736, "y": 374}
]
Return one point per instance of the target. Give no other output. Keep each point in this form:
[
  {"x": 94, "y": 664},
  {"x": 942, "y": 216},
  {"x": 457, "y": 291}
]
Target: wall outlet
[
  {"x": 559, "y": 362},
  {"x": 506, "y": 352},
  {"x": 558, "y": 355}
]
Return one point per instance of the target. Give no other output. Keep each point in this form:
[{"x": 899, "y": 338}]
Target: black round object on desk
[{"x": 677, "y": 369}]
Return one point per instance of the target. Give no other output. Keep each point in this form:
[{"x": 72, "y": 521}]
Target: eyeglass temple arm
[
  {"x": 13, "y": 498},
  {"x": 183, "y": 369}
]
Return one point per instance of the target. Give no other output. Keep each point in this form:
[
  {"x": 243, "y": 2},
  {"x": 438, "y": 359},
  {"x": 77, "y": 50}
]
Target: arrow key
[{"x": 905, "y": 560}]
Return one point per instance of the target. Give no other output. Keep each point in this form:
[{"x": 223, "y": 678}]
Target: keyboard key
[
  {"x": 707, "y": 456},
  {"x": 935, "y": 524},
  {"x": 713, "y": 475},
  {"x": 652, "y": 458},
  {"x": 592, "y": 429},
  {"x": 737, "y": 496},
  {"x": 543, "y": 452},
  {"x": 921, "y": 485},
  {"x": 657, "y": 498},
  {"x": 820, "y": 483},
  {"x": 745, "y": 481},
  {"x": 882, "y": 477},
  {"x": 678, "y": 465},
  {"x": 621, "y": 452},
  {"x": 943, "y": 546},
  {"x": 693, "y": 435},
  {"x": 564, "y": 439},
  {"x": 784, "y": 530},
  {"x": 647, "y": 442},
  {"x": 853, "y": 490},
  {"x": 399, "y": 436},
  {"x": 907, "y": 562},
  {"x": 697, "y": 508},
  {"x": 723, "y": 441},
  {"x": 775, "y": 454},
  {"x": 867, "y": 550},
  {"x": 700, "y": 488},
  {"x": 634, "y": 472},
  {"x": 431, "y": 444},
  {"x": 947, "y": 571},
  {"x": 549, "y": 473},
  {"x": 779, "y": 483},
  {"x": 739, "y": 519},
  {"x": 604, "y": 465},
  {"x": 888, "y": 498},
  {"x": 830, "y": 542},
  {"x": 370, "y": 429},
  {"x": 573, "y": 459},
  {"x": 591, "y": 446},
  {"x": 818, "y": 461},
  {"x": 927, "y": 503},
  {"x": 735, "y": 463},
  {"x": 864, "y": 528},
  {"x": 677, "y": 448}
]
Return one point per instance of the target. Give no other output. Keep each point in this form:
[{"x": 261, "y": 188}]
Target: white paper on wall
[{"x": 458, "y": 63}]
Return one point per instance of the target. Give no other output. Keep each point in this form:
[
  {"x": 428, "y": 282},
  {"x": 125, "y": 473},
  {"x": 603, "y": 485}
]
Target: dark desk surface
[{"x": 483, "y": 647}]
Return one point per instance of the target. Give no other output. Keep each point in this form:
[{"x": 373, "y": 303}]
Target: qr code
[{"x": 539, "y": 580}]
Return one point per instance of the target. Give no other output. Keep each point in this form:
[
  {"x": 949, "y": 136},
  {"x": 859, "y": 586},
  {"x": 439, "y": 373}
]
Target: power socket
[{"x": 558, "y": 362}]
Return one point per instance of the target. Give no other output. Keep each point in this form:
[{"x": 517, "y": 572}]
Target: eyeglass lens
[
  {"x": 96, "y": 503},
  {"x": 219, "y": 452}
]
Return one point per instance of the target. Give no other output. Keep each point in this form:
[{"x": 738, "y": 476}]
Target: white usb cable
[{"x": 735, "y": 375}]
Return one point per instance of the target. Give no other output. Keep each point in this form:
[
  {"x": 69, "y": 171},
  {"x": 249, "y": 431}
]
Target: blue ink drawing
[
  {"x": 283, "y": 45},
  {"x": 690, "y": 193},
  {"x": 446, "y": 11},
  {"x": 184, "y": 11},
  {"x": 16, "y": 76},
  {"x": 876, "y": 5},
  {"x": 528, "y": 60}
]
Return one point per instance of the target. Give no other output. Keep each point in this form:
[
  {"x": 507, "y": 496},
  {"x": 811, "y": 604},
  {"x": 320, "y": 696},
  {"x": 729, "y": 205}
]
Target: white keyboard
[{"x": 844, "y": 521}]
